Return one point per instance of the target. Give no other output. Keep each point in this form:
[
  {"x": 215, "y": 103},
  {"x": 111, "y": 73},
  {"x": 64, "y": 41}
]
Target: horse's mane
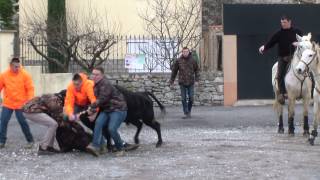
[
  {"x": 295, "y": 57},
  {"x": 315, "y": 46}
]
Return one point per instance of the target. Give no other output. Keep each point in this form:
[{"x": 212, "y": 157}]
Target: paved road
[{"x": 217, "y": 143}]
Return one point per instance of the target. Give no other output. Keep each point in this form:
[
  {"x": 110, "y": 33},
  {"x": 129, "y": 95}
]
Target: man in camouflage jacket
[{"x": 188, "y": 76}]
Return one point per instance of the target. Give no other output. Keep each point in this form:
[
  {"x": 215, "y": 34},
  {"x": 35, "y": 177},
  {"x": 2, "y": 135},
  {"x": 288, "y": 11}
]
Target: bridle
[
  {"x": 306, "y": 74},
  {"x": 308, "y": 64}
]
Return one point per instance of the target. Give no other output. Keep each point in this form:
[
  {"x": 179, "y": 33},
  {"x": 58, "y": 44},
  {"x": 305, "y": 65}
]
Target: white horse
[
  {"x": 297, "y": 85},
  {"x": 310, "y": 62}
]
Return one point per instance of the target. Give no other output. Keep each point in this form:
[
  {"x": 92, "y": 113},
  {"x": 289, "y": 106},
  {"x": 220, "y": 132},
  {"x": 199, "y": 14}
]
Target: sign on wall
[
  {"x": 155, "y": 54},
  {"x": 134, "y": 62}
]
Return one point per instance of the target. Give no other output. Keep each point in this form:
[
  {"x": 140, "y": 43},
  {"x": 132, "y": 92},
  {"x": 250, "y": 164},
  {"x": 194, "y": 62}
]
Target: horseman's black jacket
[{"x": 284, "y": 38}]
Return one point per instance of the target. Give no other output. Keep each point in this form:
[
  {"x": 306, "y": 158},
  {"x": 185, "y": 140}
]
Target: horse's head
[
  {"x": 309, "y": 59},
  {"x": 303, "y": 42}
]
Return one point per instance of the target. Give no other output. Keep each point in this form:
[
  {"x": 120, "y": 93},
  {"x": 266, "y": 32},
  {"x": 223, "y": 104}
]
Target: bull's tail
[{"x": 162, "y": 108}]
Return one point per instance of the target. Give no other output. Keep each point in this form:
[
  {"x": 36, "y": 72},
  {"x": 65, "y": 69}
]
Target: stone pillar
[
  {"x": 229, "y": 58},
  {"x": 6, "y": 48}
]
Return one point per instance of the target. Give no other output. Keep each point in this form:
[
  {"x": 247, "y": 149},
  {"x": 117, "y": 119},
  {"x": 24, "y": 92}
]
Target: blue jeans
[
  {"x": 113, "y": 120},
  {"x": 5, "y": 117},
  {"x": 187, "y": 98},
  {"x": 98, "y": 139}
]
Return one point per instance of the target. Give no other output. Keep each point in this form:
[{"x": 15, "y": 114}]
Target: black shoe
[
  {"x": 130, "y": 147},
  {"x": 51, "y": 149},
  {"x": 187, "y": 116},
  {"x": 44, "y": 151},
  {"x": 112, "y": 149}
]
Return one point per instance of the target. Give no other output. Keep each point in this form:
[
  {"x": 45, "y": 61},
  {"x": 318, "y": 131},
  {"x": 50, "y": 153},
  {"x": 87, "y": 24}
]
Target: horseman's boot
[
  {"x": 305, "y": 126},
  {"x": 312, "y": 137},
  {"x": 280, "y": 125},
  {"x": 280, "y": 96},
  {"x": 291, "y": 126}
]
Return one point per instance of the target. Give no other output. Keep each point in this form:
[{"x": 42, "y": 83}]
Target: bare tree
[
  {"x": 86, "y": 40},
  {"x": 172, "y": 24}
]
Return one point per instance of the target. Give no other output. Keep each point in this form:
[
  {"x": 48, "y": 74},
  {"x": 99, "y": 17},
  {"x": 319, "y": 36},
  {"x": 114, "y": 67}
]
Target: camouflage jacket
[
  {"x": 188, "y": 71},
  {"x": 108, "y": 97},
  {"x": 50, "y": 104}
]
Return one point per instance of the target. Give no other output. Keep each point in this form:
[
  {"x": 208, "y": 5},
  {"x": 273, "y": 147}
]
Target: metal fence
[{"x": 135, "y": 46}]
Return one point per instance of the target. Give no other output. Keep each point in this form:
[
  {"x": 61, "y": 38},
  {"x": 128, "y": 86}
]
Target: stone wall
[{"x": 209, "y": 92}]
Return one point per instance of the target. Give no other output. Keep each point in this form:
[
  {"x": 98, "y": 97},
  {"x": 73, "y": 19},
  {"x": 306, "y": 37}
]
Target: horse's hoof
[
  {"x": 291, "y": 133},
  {"x": 136, "y": 141},
  {"x": 311, "y": 141},
  {"x": 280, "y": 130},
  {"x": 158, "y": 144}
]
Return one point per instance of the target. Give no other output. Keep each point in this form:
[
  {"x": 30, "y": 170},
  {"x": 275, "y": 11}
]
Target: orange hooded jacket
[
  {"x": 18, "y": 88},
  {"x": 81, "y": 98}
]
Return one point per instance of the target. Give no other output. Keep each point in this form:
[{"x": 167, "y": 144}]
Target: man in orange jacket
[
  {"x": 18, "y": 89},
  {"x": 79, "y": 95}
]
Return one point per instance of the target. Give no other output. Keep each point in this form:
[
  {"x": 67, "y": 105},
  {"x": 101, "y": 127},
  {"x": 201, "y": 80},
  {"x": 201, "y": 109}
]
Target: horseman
[{"x": 287, "y": 42}]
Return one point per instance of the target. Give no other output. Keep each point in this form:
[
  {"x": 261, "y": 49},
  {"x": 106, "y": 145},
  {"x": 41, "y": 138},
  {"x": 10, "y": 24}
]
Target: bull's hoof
[
  {"x": 311, "y": 141},
  {"x": 159, "y": 143},
  {"x": 136, "y": 140},
  {"x": 280, "y": 130},
  {"x": 306, "y": 133}
]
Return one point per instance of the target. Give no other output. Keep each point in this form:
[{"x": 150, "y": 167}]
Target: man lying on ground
[{"x": 47, "y": 110}]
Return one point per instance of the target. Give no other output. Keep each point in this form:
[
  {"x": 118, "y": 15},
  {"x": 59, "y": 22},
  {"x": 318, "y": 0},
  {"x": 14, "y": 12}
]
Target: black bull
[{"x": 140, "y": 110}]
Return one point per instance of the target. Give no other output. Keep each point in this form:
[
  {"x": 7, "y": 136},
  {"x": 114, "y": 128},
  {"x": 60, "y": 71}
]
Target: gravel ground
[{"x": 217, "y": 143}]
